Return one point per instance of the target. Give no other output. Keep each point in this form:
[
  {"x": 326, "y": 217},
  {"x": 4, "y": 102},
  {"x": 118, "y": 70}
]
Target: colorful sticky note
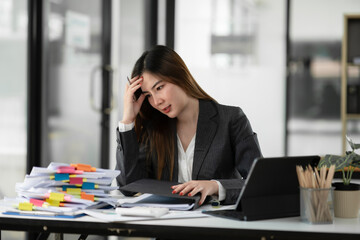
[
  {"x": 73, "y": 191},
  {"x": 66, "y": 167},
  {"x": 76, "y": 180},
  {"x": 68, "y": 198},
  {"x": 37, "y": 202},
  {"x": 84, "y": 167},
  {"x": 54, "y": 203},
  {"x": 56, "y": 196},
  {"x": 87, "y": 196},
  {"x": 65, "y": 187},
  {"x": 25, "y": 206},
  {"x": 65, "y": 170},
  {"x": 88, "y": 185},
  {"x": 61, "y": 176}
]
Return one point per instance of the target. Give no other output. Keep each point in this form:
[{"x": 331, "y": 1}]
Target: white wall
[{"x": 312, "y": 20}]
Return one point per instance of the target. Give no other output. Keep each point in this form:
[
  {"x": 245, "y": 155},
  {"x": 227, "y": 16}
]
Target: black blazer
[{"x": 225, "y": 148}]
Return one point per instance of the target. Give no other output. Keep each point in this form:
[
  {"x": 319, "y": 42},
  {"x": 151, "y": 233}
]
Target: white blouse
[{"x": 185, "y": 160}]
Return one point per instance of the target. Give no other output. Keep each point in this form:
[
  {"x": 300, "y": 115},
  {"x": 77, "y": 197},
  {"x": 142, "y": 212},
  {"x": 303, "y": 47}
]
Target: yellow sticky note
[
  {"x": 73, "y": 191},
  {"x": 57, "y": 196},
  {"x": 25, "y": 206},
  {"x": 53, "y": 202}
]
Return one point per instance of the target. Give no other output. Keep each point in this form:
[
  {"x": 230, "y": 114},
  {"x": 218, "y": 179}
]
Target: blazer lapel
[{"x": 206, "y": 128}]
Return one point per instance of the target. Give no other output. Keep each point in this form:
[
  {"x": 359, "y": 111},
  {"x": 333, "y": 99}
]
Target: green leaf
[
  {"x": 356, "y": 146},
  {"x": 339, "y": 161},
  {"x": 356, "y": 162},
  {"x": 353, "y": 145}
]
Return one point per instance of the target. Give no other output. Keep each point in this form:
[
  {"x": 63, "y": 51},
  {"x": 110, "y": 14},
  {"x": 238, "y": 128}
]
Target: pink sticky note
[
  {"x": 66, "y": 167},
  {"x": 67, "y": 198},
  {"x": 37, "y": 202},
  {"x": 66, "y": 170},
  {"x": 76, "y": 180}
]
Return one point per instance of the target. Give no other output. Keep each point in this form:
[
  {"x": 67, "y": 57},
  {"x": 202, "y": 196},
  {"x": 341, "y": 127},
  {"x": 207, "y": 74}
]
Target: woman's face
[{"x": 166, "y": 97}]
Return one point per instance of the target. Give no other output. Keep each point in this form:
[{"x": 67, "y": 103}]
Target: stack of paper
[{"x": 64, "y": 189}]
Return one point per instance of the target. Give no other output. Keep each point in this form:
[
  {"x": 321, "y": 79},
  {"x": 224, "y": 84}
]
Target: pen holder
[{"x": 316, "y": 205}]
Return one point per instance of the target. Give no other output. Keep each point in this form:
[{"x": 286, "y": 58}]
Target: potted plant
[{"x": 346, "y": 194}]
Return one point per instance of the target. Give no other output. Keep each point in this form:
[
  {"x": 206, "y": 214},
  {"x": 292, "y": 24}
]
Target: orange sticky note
[
  {"x": 87, "y": 196},
  {"x": 25, "y": 206},
  {"x": 84, "y": 167},
  {"x": 57, "y": 196}
]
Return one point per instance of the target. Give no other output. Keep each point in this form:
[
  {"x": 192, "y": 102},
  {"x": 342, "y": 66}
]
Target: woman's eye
[{"x": 159, "y": 88}]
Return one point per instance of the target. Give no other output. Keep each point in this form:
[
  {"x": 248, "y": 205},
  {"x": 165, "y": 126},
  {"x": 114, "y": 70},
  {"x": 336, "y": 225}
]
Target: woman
[{"x": 173, "y": 130}]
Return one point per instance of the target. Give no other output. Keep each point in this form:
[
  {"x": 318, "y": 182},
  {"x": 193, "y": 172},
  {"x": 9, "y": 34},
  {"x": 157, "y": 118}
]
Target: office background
[{"x": 278, "y": 60}]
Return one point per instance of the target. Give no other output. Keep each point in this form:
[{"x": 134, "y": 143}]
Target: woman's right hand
[{"x": 131, "y": 105}]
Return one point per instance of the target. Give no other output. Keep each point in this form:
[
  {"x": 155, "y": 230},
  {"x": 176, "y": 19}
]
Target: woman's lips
[{"x": 167, "y": 109}]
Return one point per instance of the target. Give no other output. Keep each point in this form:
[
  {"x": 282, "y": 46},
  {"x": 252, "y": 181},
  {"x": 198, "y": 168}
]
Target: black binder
[{"x": 161, "y": 188}]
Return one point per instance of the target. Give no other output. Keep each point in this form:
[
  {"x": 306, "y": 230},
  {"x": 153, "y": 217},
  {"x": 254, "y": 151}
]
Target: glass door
[
  {"x": 73, "y": 121},
  {"x": 13, "y": 95}
]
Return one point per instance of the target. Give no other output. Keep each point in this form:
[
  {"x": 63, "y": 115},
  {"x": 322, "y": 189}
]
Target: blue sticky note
[
  {"x": 88, "y": 185},
  {"x": 61, "y": 176}
]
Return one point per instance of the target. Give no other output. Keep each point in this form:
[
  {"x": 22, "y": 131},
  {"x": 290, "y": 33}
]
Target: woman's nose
[{"x": 157, "y": 100}]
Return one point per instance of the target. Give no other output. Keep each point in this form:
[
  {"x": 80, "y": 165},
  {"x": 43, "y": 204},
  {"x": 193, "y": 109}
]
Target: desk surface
[{"x": 195, "y": 228}]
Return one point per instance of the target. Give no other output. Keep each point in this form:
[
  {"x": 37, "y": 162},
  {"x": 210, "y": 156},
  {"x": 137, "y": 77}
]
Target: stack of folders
[{"x": 62, "y": 189}]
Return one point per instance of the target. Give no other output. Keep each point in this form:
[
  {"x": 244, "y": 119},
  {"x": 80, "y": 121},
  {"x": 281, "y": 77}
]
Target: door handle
[{"x": 99, "y": 109}]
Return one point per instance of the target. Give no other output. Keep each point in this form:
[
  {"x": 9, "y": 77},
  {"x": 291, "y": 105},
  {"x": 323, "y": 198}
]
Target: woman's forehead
[{"x": 150, "y": 80}]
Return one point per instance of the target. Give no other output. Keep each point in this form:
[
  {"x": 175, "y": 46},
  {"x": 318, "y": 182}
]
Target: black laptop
[{"x": 270, "y": 191}]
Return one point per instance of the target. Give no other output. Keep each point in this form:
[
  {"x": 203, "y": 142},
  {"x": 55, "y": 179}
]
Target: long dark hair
[{"x": 152, "y": 127}]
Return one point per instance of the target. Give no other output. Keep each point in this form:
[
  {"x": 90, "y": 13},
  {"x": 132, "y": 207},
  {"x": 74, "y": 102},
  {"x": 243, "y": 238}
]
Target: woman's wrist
[
  {"x": 125, "y": 127},
  {"x": 127, "y": 121}
]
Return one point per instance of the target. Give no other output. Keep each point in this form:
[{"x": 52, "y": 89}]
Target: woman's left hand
[{"x": 191, "y": 188}]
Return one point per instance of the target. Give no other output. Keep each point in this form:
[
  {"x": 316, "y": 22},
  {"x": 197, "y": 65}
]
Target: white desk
[{"x": 195, "y": 228}]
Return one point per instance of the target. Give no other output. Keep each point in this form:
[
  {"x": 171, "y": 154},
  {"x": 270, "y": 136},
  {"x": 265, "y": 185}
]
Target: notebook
[{"x": 270, "y": 191}]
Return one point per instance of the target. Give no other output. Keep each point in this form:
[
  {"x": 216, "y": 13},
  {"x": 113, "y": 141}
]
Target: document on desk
[
  {"x": 15, "y": 212},
  {"x": 111, "y": 215}
]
